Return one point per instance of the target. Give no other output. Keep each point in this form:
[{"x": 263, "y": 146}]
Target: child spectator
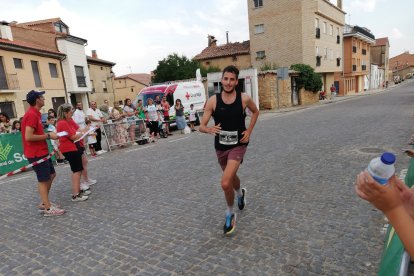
[
  {"x": 16, "y": 127},
  {"x": 91, "y": 138},
  {"x": 193, "y": 117},
  {"x": 55, "y": 143}
]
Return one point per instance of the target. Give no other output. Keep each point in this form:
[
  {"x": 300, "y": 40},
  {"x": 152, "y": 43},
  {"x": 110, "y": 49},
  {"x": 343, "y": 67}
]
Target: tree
[
  {"x": 175, "y": 67},
  {"x": 308, "y": 79}
]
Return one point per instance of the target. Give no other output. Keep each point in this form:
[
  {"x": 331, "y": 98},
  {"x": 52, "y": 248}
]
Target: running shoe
[
  {"x": 84, "y": 186},
  {"x": 53, "y": 211},
  {"x": 79, "y": 197},
  {"x": 90, "y": 182},
  {"x": 230, "y": 224},
  {"x": 241, "y": 201}
]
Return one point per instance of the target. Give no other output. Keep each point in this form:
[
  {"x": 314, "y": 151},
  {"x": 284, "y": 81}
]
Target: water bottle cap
[{"x": 388, "y": 158}]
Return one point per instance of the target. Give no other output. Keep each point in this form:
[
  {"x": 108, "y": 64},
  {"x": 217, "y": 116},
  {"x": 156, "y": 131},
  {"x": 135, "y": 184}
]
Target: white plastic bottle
[{"x": 382, "y": 168}]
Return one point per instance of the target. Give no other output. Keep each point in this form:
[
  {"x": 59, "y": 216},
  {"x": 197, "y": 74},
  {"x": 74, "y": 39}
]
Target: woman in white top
[
  {"x": 130, "y": 115},
  {"x": 153, "y": 117}
]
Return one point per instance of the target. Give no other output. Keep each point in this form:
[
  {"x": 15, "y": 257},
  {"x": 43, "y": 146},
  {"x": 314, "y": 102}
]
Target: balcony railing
[
  {"x": 9, "y": 81},
  {"x": 318, "y": 32},
  {"x": 81, "y": 81}
]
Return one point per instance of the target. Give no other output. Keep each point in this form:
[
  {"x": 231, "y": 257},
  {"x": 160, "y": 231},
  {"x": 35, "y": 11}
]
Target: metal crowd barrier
[{"x": 118, "y": 132}]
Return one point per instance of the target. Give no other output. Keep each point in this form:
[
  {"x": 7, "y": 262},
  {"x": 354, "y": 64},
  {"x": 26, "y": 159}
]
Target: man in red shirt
[
  {"x": 35, "y": 148},
  {"x": 166, "y": 113}
]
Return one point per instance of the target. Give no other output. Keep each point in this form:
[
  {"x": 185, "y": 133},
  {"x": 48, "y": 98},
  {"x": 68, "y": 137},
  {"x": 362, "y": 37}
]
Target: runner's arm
[
  {"x": 255, "y": 114},
  {"x": 208, "y": 111}
]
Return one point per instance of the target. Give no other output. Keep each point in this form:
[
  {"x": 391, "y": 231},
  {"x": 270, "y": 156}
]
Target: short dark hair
[
  {"x": 231, "y": 69},
  {"x": 50, "y": 117}
]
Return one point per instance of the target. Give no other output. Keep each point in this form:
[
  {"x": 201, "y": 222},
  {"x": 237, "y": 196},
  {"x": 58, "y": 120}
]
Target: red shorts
[{"x": 236, "y": 153}]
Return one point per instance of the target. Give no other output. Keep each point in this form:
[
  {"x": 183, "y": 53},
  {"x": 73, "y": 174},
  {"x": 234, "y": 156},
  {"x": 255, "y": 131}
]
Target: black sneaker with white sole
[{"x": 241, "y": 201}]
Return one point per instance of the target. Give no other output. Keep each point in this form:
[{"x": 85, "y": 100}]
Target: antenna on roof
[{"x": 227, "y": 36}]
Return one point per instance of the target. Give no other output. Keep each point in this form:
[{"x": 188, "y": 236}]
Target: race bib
[{"x": 228, "y": 137}]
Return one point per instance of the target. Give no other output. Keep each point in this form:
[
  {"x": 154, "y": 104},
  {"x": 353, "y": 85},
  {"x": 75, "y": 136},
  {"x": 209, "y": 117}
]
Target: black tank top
[{"x": 232, "y": 120}]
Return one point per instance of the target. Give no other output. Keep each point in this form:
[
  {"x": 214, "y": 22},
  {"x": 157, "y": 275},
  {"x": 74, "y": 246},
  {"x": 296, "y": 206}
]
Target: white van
[{"x": 189, "y": 92}]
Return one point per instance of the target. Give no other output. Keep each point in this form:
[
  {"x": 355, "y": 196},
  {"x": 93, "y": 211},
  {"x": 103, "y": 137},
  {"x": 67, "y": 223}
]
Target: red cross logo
[{"x": 187, "y": 95}]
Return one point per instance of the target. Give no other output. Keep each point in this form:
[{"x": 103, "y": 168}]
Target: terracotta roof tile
[
  {"x": 32, "y": 23},
  {"x": 98, "y": 60},
  {"x": 141, "y": 78},
  {"x": 30, "y": 46},
  {"x": 230, "y": 49},
  {"x": 383, "y": 41}
]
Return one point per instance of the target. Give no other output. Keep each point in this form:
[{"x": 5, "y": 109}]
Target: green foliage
[
  {"x": 175, "y": 67},
  {"x": 269, "y": 66},
  {"x": 307, "y": 78},
  {"x": 211, "y": 69}
]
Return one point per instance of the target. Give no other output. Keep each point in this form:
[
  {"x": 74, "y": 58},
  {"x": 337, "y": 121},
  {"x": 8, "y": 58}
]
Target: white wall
[{"x": 75, "y": 56}]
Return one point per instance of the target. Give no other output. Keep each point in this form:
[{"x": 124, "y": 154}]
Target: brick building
[
  {"x": 287, "y": 32},
  {"x": 402, "y": 65},
  {"x": 356, "y": 67},
  {"x": 220, "y": 56},
  {"x": 380, "y": 53}
]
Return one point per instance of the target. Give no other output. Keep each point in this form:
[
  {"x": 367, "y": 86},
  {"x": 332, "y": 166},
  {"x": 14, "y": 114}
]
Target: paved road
[{"x": 158, "y": 209}]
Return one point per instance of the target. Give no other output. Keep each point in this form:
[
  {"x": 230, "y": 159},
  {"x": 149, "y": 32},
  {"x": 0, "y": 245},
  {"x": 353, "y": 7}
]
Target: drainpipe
[{"x": 63, "y": 77}]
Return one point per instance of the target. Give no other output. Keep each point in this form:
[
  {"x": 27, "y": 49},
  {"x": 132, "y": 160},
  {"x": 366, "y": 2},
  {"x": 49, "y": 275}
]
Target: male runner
[{"x": 231, "y": 137}]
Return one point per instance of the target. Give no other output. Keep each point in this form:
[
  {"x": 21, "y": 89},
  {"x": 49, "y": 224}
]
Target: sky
[{"x": 136, "y": 34}]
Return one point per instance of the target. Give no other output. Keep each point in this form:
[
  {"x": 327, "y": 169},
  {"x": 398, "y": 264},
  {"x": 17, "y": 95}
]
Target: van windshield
[{"x": 152, "y": 96}]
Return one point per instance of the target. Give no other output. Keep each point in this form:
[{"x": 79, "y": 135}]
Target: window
[
  {"x": 132, "y": 89},
  {"x": 61, "y": 28},
  {"x": 93, "y": 86},
  {"x": 258, "y": 29},
  {"x": 260, "y": 55},
  {"x": 18, "y": 63},
  {"x": 258, "y": 3},
  {"x": 105, "y": 89},
  {"x": 53, "y": 70},
  {"x": 101, "y": 68},
  {"x": 36, "y": 74},
  {"x": 331, "y": 30},
  {"x": 8, "y": 108},
  {"x": 317, "y": 51},
  {"x": 324, "y": 27},
  {"x": 80, "y": 76}
]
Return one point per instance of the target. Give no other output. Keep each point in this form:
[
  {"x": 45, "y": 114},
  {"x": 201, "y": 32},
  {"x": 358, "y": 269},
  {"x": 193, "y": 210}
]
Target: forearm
[
  {"x": 403, "y": 224},
  {"x": 253, "y": 121},
  {"x": 36, "y": 137}
]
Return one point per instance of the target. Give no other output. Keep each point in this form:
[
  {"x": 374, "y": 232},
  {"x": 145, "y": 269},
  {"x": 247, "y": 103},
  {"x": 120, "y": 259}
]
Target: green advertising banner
[{"x": 11, "y": 152}]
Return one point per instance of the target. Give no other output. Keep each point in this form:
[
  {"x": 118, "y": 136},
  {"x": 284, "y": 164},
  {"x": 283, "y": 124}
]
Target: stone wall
[
  {"x": 307, "y": 97},
  {"x": 274, "y": 93}
]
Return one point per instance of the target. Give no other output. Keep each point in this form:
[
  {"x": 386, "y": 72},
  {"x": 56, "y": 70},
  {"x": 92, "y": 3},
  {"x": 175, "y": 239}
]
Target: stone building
[
  {"x": 287, "y": 32},
  {"x": 128, "y": 86},
  {"x": 402, "y": 65},
  {"x": 220, "y": 56},
  {"x": 102, "y": 78}
]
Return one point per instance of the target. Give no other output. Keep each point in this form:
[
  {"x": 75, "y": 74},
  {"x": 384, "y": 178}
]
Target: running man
[{"x": 231, "y": 137}]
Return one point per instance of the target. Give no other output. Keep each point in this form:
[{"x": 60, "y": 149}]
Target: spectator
[
  {"x": 96, "y": 117},
  {"x": 91, "y": 138},
  {"x": 130, "y": 115},
  {"x": 166, "y": 112},
  {"x": 140, "y": 110},
  {"x": 51, "y": 112},
  {"x": 157, "y": 102},
  {"x": 70, "y": 150},
  {"x": 35, "y": 148},
  {"x": 179, "y": 115},
  {"x": 333, "y": 91},
  {"x": 119, "y": 130},
  {"x": 395, "y": 200},
  {"x": 55, "y": 143},
  {"x": 105, "y": 111},
  {"x": 5, "y": 125},
  {"x": 107, "y": 104},
  {"x": 16, "y": 126},
  {"x": 153, "y": 117},
  {"x": 193, "y": 117},
  {"x": 79, "y": 115}
]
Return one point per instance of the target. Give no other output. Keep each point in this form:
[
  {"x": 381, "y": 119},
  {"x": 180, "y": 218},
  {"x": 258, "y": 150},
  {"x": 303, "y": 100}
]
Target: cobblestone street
[{"x": 158, "y": 209}]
